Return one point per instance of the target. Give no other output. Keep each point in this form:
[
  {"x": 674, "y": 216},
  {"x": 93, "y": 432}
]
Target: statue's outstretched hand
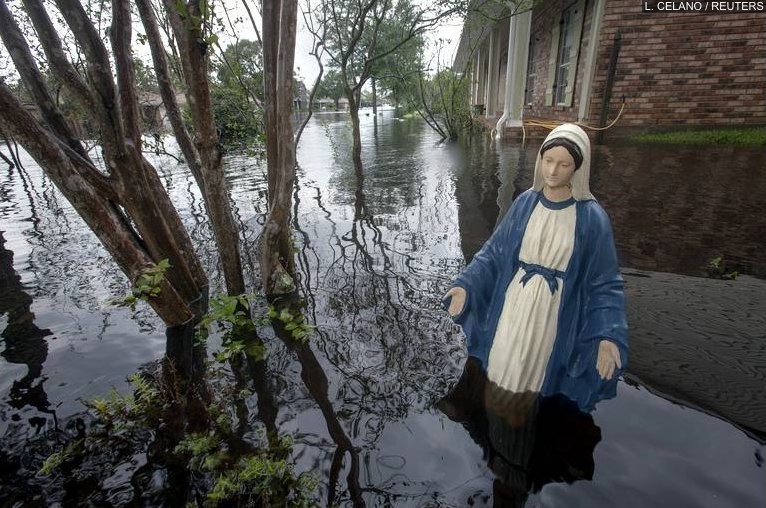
[
  {"x": 458, "y": 296},
  {"x": 608, "y": 359}
]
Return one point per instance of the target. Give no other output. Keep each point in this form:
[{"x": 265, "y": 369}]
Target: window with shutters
[
  {"x": 562, "y": 64},
  {"x": 564, "y": 58}
]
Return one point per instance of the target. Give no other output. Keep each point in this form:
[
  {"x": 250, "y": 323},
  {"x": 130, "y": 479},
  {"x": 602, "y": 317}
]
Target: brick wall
[{"x": 683, "y": 69}]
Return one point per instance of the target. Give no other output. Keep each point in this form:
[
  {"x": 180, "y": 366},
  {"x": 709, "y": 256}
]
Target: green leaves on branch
[
  {"x": 265, "y": 474},
  {"x": 226, "y": 472},
  {"x": 56, "y": 459},
  {"x": 233, "y": 310},
  {"x": 148, "y": 285},
  {"x": 293, "y": 322},
  {"x": 232, "y": 313},
  {"x": 272, "y": 479},
  {"x": 118, "y": 410},
  {"x": 117, "y": 415}
]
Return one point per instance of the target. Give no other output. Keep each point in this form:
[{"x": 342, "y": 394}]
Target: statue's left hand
[{"x": 608, "y": 359}]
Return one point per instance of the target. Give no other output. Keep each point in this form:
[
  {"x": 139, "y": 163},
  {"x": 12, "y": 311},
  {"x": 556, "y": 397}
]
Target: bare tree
[{"x": 317, "y": 51}]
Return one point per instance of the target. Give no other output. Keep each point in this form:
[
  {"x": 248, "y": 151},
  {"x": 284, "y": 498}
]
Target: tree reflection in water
[
  {"x": 376, "y": 247},
  {"x": 23, "y": 340},
  {"x": 528, "y": 441}
]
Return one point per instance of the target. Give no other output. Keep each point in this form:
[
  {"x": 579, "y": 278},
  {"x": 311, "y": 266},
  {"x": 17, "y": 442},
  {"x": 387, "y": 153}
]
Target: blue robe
[{"x": 592, "y": 303}]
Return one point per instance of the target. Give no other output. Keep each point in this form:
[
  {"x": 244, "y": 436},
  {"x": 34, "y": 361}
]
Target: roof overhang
[{"x": 482, "y": 17}]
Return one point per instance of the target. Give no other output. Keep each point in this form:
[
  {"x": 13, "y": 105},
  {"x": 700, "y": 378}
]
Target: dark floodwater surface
[{"x": 375, "y": 254}]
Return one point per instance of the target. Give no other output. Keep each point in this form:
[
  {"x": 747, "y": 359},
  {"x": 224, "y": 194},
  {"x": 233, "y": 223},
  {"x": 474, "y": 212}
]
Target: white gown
[{"x": 527, "y": 326}]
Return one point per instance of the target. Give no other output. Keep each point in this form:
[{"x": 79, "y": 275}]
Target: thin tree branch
[
  {"x": 101, "y": 76},
  {"x": 120, "y": 35},
  {"x": 54, "y": 52},
  {"x": 252, "y": 22},
  {"x": 317, "y": 53},
  {"x": 167, "y": 92}
]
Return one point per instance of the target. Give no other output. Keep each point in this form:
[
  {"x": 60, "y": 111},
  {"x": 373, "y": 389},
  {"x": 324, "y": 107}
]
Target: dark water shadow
[
  {"x": 528, "y": 441},
  {"x": 23, "y": 340}
]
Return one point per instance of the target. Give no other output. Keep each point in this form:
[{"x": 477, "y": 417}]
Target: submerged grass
[{"x": 729, "y": 137}]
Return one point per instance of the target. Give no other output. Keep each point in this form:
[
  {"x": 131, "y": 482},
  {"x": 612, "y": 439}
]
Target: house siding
[
  {"x": 675, "y": 70},
  {"x": 683, "y": 69}
]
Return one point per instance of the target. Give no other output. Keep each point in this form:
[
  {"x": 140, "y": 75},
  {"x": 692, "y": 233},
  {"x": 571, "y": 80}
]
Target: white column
[
  {"x": 490, "y": 93},
  {"x": 475, "y": 97},
  {"x": 516, "y": 73}
]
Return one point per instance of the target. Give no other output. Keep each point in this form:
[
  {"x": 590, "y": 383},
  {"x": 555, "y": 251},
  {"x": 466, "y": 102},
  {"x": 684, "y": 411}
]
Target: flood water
[{"x": 365, "y": 399}]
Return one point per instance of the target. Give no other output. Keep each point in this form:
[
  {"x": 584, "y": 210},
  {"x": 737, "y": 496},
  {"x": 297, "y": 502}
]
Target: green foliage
[
  {"x": 397, "y": 72},
  {"x": 443, "y": 101},
  {"x": 385, "y": 42},
  {"x": 229, "y": 309},
  {"x": 293, "y": 321},
  {"x": 147, "y": 286},
  {"x": 331, "y": 86},
  {"x": 717, "y": 269},
  {"x": 56, "y": 459},
  {"x": 117, "y": 414},
  {"x": 264, "y": 474},
  {"x": 205, "y": 451},
  {"x": 239, "y": 120},
  {"x": 229, "y": 469},
  {"x": 733, "y": 137},
  {"x": 241, "y": 66},
  {"x": 232, "y": 313},
  {"x": 146, "y": 79},
  {"x": 118, "y": 410},
  {"x": 271, "y": 479},
  {"x": 197, "y": 444},
  {"x": 236, "y": 93}
]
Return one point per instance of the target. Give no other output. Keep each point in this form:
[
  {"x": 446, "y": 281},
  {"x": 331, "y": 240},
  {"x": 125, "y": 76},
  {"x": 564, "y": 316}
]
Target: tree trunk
[
  {"x": 102, "y": 216},
  {"x": 374, "y": 98},
  {"x": 128, "y": 209},
  {"x": 277, "y": 258},
  {"x": 353, "y": 109},
  {"x": 193, "y": 50}
]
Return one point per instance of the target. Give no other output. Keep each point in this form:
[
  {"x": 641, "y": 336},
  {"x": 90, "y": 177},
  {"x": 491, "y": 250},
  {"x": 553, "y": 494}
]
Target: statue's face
[{"x": 558, "y": 167}]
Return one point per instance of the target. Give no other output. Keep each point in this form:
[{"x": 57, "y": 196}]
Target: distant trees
[
  {"x": 442, "y": 101},
  {"x": 332, "y": 86},
  {"x": 361, "y": 33},
  {"x": 238, "y": 95},
  {"x": 241, "y": 66}
]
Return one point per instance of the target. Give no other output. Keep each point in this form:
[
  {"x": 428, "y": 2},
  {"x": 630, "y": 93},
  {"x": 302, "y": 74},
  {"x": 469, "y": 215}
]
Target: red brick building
[{"x": 674, "y": 69}]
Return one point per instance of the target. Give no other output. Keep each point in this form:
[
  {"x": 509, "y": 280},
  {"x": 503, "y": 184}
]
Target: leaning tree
[{"x": 123, "y": 202}]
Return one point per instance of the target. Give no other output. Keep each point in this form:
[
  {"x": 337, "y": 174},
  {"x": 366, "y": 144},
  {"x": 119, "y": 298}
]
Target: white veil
[{"x": 581, "y": 177}]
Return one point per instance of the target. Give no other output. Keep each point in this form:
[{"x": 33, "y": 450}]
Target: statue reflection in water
[{"x": 528, "y": 440}]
